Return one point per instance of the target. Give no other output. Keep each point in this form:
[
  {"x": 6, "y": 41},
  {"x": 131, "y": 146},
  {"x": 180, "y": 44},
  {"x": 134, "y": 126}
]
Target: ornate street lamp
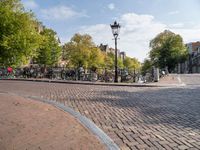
[{"x": 115, "y": 30}]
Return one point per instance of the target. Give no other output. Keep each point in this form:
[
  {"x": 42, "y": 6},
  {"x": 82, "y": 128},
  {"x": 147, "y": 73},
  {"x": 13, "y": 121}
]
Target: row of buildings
[{"x": 192, "y": 65}]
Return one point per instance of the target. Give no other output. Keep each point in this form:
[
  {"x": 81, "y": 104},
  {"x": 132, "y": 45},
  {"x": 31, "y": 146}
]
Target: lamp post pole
[
  {"x": 116, "y": 66},
  {"x": 115, "y": 30}
]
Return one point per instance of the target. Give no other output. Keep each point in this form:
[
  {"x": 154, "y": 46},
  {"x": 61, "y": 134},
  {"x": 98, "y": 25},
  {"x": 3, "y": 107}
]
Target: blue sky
[{"x": 141, "y": 20}]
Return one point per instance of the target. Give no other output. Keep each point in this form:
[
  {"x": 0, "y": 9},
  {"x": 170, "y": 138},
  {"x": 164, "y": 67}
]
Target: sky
[{"x": 140, "y": 20}]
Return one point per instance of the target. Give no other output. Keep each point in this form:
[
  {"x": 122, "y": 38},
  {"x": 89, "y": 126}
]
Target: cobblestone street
[{"x": 134, "y": 117}]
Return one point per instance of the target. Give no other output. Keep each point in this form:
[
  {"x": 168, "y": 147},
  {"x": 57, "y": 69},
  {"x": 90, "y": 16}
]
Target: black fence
[{"x": 60, "y": 73}]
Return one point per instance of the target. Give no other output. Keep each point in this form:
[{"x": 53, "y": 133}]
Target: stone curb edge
[
  {"x": 100, "y": 84},
  {"x": 101, "y": 135}
]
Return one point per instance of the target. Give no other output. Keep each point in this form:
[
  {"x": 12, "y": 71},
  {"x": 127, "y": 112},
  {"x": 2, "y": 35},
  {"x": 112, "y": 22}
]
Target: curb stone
[
  {"x": 105, "y": 139},
  {"x": 97, "y": 83},
  {"x": 100, "y": 134}
]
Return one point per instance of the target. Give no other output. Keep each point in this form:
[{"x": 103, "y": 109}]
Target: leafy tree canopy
[
  {"x": 109, "y": 61},
  {"x": 49, "y": 51},
  {"x": 131, "y": 64},
  {"x": 19, "y": 38},
  {"x": 82, "y": 52},
  {"x": 146, "y": 66},
  {"x": 167, "y": 49}
]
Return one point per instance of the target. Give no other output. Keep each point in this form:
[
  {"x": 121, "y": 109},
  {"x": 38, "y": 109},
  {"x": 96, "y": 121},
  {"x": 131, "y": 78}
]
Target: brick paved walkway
[
  {"x": 190, "y": 79},
  {"x": 169, "y": 79},
  {"x": 30, "y": 125},
  {"x": 135, "y": 118}
]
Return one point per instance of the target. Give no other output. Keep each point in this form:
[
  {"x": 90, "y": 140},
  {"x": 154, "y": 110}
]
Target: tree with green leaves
[
  {"x": 82, "y": 52},
  {"x": 146, "y": 67},
  {"x": 19, "y": 38},
  {"x": 132, "y": 64},
  {"x": 167, "y": 50},
  {"x": 109, "y": 61},
  {"x": 96, "y": 59},
  {"x": 49, "y": 51}
]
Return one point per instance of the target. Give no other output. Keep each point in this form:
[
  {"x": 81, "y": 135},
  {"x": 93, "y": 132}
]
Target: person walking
[{"x": 9, "y": 71}]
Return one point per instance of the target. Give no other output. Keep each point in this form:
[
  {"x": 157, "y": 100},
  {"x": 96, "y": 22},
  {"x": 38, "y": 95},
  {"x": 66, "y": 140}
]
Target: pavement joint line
[
  {"x": 100, "y": 134},
  {"x": 99, "y": 84}
]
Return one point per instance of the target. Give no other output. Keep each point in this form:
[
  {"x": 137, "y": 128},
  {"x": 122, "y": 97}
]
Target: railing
[{"x": 58, "y": 73}]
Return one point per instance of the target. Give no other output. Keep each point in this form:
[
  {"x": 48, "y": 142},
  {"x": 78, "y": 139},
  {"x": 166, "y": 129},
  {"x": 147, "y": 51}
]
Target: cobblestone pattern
[
  {"x": 135, "y": 118},
  {"x": 189, "y": 79}
]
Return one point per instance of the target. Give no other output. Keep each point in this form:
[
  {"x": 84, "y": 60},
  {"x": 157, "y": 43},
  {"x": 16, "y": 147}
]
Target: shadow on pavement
[{"x": 175, "y": 106}]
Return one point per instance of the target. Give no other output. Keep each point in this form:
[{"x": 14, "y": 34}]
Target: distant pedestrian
[{"x": 9, "y": 70}]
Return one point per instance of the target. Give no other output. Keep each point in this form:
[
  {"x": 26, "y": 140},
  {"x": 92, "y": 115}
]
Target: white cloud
[
  {"x": 174, "y": 12},
  {"x": 111, "y": 6},
  {"x": 64, "y": 39},
  {"x": 189, "y": 34},
  {"x": 61, "y": 13},
  {"x": 136, "y": 33},
  {"x": 176, "y": 25},
  {"x": 100, "y": 32},
  {"x": 31, "y": 4}
]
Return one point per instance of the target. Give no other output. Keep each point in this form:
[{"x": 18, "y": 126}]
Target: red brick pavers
[
  {"x": 31, "y": 125},
  {"x": 169, "y": 79},
  {"x": 135, "y": 118}
]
